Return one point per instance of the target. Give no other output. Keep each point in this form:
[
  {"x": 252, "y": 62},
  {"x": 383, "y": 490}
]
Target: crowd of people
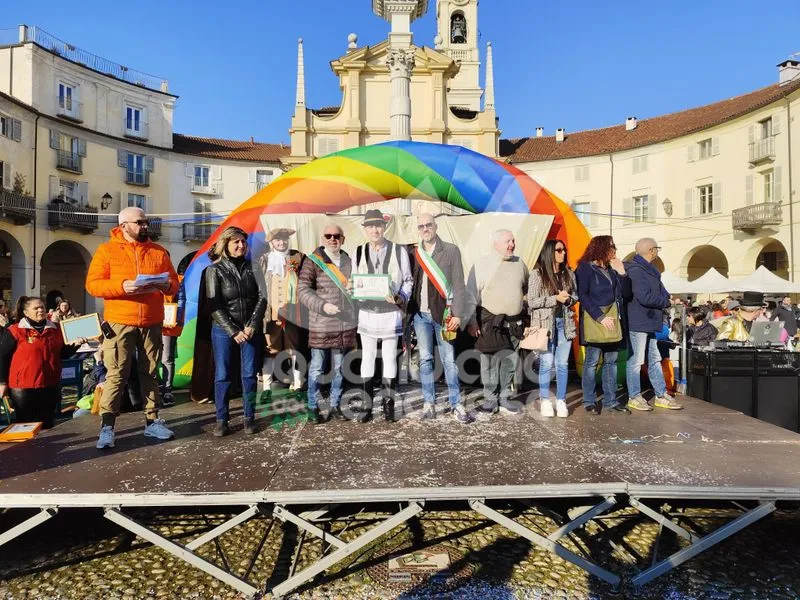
[{"x": 287, "y": 304}]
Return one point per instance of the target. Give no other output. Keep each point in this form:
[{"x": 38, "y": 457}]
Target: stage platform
[{"x": 702, "y": 452}]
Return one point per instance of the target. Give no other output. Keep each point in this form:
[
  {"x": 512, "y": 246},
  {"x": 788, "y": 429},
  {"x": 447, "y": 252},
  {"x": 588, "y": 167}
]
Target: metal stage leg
[
  {"x": 182, "y": 552},
  {"x": 307, "y": 574},
  {"x": 582, "y": 519},
  {"x": 43, "y": 515},
  {"x": 661, "y": 519},
  {"x": 704, "y": 543},
  {"x": 226, "y": 526},
  {"x": 284, "y": 515},
  {"x": 545, "y": 543}
]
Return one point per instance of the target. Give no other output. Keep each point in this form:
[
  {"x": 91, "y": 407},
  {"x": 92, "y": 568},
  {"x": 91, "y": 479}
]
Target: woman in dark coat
[
  {"x": 323, "y": 290},
  {"x": 599, "y": 276}
]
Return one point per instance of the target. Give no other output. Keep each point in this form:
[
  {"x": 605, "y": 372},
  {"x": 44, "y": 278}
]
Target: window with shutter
[
  {"x": 5, "y": 174},
  {"x": 641, "y": 209},
  {"x": 594, "y": 217},
  {"x": 776, "y": 124},
  {"x": 583, "y": 211},
  {"x": 714, "y": 146},
  {"x": 705, "y": 199},
  {"x": 652, "y": 207},
  {"x": 627, "y": 209},
  {"x": 137, "y": 201},
  {"x": 149, "y": 164},
  {"x": 83, "y": 193},
  {"x": 716, "y": 193},
  {"x": 688, "y": 205},
  {"x": 777, "y": 186},
  {"x": 767, "y": 181},
  {"x": 55, "y": 188},
  {"x": 748, "y": 190},
  {"x": 704, "y": 148}
]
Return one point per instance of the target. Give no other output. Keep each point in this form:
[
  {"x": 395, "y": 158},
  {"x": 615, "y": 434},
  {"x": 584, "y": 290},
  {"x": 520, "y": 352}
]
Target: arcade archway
[
  {"x": 64, "y": 266},
  {"x": 701, "y": 259}
]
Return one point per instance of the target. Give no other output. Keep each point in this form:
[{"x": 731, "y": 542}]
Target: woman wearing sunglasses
[{"x": 552, "y": 290}]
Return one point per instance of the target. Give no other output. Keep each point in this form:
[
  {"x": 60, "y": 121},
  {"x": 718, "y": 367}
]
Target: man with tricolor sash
[
  {"x": 323, "y": 290},
  {"x": 438, "y": 302}
]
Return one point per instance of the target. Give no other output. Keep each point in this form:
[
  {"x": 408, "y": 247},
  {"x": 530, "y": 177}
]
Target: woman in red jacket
[{"x": 30, "y": 363}]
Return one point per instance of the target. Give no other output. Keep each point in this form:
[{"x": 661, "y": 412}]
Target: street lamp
[
  {"x": 105, "y": 201},
  {"x": 667, "y": 204}
]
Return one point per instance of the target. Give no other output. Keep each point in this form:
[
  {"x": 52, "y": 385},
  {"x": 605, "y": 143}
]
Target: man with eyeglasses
[
  {"x": 437, "y": 305},
  {"x": 645, "y": 302},
  {"x": 135, "y": 313},
  {"x": 323, "y": 290}
]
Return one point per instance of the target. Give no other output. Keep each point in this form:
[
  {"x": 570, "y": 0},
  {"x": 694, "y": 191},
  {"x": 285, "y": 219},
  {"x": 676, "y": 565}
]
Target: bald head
[
  {"x": 133, "y": 223},
  {"x": 647, "y": 248},
  {"x": 131, "y": 213}
]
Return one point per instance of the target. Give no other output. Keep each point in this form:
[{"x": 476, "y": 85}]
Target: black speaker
[
  {"x": 734, "y": 392},
  {"x": 697, "y": 376},
  {"x": 777, "y": 401}
]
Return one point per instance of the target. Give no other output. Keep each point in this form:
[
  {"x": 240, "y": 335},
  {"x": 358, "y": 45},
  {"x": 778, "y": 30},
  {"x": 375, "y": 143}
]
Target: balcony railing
[
  {"x": 154, "y": 227},
  {"x": 214, "y": 189},
  {"x": 756, "y": 216},
  {"x": 197, "y": 232},
  {"x": 763, "y": 149},
  {"x": 140, "y": 133},
  {"x": 69, "y": 161},
  {"x": 137, "y": 177},
  {"x": 16, "y": 208},
  {"x": 68, "y": 108},
  {"x": 62, "y": 215}
]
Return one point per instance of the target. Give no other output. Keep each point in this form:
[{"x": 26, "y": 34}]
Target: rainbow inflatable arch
[{"x": 359, "y": 176}]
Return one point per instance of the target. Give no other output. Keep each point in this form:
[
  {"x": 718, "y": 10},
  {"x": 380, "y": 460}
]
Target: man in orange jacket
[{"x": 135, "y": 313}]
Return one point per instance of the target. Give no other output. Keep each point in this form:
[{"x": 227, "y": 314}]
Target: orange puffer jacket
[{"x": 118, "y": 260}]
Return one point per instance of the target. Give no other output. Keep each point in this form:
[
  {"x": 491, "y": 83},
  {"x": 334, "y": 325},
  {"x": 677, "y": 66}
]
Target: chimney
[
  {"x": 560, "y": 132},
  {"x": 630, "y": 123},
  {"x": 539, "y": 131},
  {"x": 252, "y": 140},
  {"x": 788, "y": 71}
]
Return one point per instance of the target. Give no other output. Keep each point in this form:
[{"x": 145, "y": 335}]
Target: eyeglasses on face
[
  {"x": 333, "y": 236},
  {"x": 423, "y": 226},
  {"x": 656, "y": 248},
  {"x": 140, "y": 222}
]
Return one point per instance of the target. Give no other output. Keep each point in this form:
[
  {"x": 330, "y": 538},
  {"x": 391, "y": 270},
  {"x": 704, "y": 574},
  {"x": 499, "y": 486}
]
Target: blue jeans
[
  {"x": 224, "y": 348},
  {"x": 609, "y": 376},
  {"x": 426, "y": 329},
  {"x": 319, "y": 359},
  {"x": 644, "y": 343},
  {"x": 558, "y": 349}
]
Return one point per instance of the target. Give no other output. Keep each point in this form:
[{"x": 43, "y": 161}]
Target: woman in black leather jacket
[{"x": 237, "y": 309}]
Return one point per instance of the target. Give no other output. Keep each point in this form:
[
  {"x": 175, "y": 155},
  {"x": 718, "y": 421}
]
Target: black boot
[
  {"x": 368, "y": 387},
  {"x": 389, "y": 393}
]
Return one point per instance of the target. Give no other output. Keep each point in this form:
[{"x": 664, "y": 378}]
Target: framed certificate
[
  {"x": 371, "y": 286},
  {"x": 87, "y": 326},
  {"x": 19, "y": 432},
  {"x": 170, "y": 314}
]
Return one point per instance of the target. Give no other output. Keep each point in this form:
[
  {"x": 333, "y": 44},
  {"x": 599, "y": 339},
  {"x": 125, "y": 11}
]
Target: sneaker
[
  {"x": 158, "y": 429},
  {"x": 221, "y": 429},
  {"x": 546, "y": 408},
  {"x": 561, "y": 409},
  {"x": 429, "y": 412},
  {"x": 510, "y": 407},
  {"x": 106, "y": 438},
  {"x": 461, "y": 415},
  {"x": 620, "y": 409},
  {"x": 667, "y": 401},
  {"x": 167, "y": 399},
  {"x": 488, "y": 408},
  {"x": 639, "y": 403}
]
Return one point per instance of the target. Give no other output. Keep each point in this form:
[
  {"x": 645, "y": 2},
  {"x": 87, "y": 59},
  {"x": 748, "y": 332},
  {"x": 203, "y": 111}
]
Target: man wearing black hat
[
  {"x": 381, "y": 320},
  {"x": 737, "y": 326}
]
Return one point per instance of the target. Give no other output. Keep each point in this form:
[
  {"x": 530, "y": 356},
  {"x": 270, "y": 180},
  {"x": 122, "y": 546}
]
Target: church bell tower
[{"x": 457, "y": 36}]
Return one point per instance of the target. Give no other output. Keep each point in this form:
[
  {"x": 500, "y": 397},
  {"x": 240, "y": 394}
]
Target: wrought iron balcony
[
  {"x": 762, "y": 150},
  {"x": 154, "y": 227},
  {"x": 16, "y": 208},
  {"x": 69, "y": 108},
  {"x": 197, "y": 232},
  {"x": 64, "y": 215},
  {"x": 69, "y": 161},
  {"x": 137, "y": 177},
  {"x": 756, "y": 216},
  {"x": 139, "y": 133}
]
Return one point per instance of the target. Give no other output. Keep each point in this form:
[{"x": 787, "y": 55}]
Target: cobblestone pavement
[{"x": 80, "y": 555}]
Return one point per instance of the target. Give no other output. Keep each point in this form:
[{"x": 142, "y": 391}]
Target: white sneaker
[
  {"x": 546, "y": 408},
  {"x": 561, "y": 409},
  {"x": 106, "y": 439},
  {"x": 158, "y": 429}
]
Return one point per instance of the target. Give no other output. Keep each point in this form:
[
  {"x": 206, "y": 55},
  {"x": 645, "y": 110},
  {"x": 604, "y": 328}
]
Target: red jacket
[
  {"x": 118, "y": 260},
  {"x": 36, "y": 362}
]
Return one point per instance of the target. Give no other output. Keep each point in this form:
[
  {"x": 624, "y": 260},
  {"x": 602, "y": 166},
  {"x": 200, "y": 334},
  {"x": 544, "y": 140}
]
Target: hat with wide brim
[
  {"x": 280, "y": 232},
  {"x": 373, "y": 217},
  {"x": 752, "y": 300}
]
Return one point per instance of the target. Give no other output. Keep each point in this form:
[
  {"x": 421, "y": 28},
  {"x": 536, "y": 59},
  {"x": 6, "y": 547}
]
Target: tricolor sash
[
  {"x": 333, "y": 273},
  {"x": 435, "y": 274}
]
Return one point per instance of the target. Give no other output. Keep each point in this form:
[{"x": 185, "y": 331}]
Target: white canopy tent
[
  {"x": 676, "y": 285},
  {"x": 711, "y": 282},
  {"x": 765, "y": 281}
]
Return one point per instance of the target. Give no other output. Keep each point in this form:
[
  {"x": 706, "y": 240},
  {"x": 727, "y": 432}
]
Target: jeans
[
  {"x": 497, "y": 374},
  {"x": 609, "y": 376},
  {"x": 644, "y": 343},
  {"x": 319, "y": 358},
  {"x": 426, "y": 329},
  {"x": 558, "y": 349},
  {"x": 224, "y": 347},
  {"x": 169, "y": 345}
]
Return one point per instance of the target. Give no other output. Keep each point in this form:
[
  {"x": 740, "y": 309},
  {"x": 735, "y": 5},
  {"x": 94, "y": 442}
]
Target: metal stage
[{"x": 297, "y": 472}]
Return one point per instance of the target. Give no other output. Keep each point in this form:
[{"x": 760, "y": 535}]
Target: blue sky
[{"x": 578, "y": 65}]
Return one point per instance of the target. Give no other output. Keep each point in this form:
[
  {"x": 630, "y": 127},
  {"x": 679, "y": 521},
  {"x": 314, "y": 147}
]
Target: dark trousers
[{"x": 35, "y": 404}]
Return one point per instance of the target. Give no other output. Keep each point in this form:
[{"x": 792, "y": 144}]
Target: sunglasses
[
  {"x": 560, "y": 250},
  {"x": 140, "y": 222},
  {"x": 333, "y": 236},
  {"x": 423, "y": 226}
]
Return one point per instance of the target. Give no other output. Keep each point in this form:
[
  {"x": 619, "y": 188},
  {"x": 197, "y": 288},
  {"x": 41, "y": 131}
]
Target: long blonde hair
[{"x": 220, "y": 248}]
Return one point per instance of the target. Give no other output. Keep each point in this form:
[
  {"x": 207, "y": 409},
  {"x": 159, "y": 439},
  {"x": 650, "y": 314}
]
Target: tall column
[{"x": 401, "y": 64}]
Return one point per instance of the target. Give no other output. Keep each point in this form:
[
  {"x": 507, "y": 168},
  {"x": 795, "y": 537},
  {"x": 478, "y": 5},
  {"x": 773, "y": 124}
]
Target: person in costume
[
  {"x": 438, "y": 303},
  {"x": 323, "y": 290},
  {"x": 285, "y": 322},
  {"x": 737, "y": 326},
  {"x": 381, "y": 321}
]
